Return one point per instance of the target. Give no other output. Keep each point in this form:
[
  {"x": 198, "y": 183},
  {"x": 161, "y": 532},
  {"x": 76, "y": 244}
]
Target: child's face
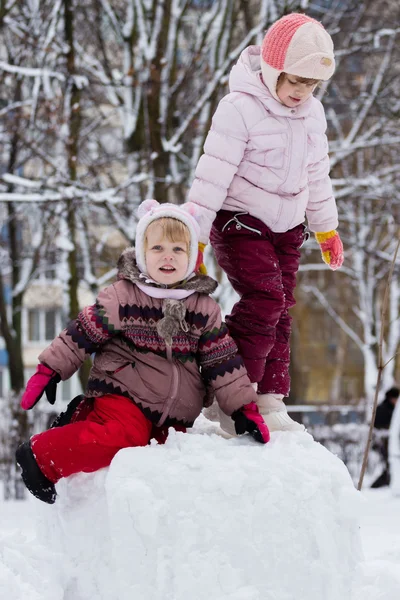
[
  {"x": 292, "y": 92},
  {"x": 166, "y": 261}
]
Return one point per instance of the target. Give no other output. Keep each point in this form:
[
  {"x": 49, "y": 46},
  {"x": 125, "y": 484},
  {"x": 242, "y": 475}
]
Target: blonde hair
[
  {"x": 173, "y": 229},
  {"x": 284, "y": 76}
]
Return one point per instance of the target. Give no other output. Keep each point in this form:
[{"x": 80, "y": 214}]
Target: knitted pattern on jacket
[{"x": 167, "y": 381}]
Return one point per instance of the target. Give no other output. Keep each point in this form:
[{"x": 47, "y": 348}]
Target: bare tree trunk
[
  {"x": 161, "y": 160},
  {"x": 11, "y": 331},
  {"x": 73, "y": 110}
]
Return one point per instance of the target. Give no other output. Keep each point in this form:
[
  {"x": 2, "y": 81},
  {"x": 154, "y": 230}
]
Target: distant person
[
  {"x": 265, "y": 168},
  {"x": 159, "y": 343},
  {"x": 383, "y": 418}
]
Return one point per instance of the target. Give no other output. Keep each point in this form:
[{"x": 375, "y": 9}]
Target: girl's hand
[
  {"x": 248, "y": 420},
  {"x": 200, "y": 267},
  {"x": 331, "y": 248},
  {"x": 44, "y": 380}
]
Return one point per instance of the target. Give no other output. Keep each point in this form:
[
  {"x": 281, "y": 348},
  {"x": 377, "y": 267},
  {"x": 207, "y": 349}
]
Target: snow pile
[
  {"x": 29, "y": 570},
  {"x": 377, "y": 580},
  {"x": 209, "y": 519}
]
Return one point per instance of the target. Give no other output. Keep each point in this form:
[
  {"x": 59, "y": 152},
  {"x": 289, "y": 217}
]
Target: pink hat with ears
[
  {"x": 297, "y": 45},
  {"x": 151, "y": 210}
]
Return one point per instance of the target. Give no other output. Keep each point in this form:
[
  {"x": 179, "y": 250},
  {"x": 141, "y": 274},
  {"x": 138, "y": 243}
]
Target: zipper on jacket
[
  {"x": 239, "y": 224},
  {"x": 173, "y": 388},
  {"x": 289, "y": 168}
]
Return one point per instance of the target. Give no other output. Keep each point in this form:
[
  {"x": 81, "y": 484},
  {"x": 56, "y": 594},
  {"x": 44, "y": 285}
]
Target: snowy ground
[
  {"x": 380, "y": 526},
  {"x": 34, "y": 536}
]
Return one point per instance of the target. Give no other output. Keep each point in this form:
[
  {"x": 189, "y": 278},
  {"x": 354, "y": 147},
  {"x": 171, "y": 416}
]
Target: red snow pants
[
  {"x": 261, "y": 266},
  {"x": 90, "y": 442}
]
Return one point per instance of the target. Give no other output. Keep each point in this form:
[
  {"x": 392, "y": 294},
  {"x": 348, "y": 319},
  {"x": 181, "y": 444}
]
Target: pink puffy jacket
[{"x": 264, "y": 158}]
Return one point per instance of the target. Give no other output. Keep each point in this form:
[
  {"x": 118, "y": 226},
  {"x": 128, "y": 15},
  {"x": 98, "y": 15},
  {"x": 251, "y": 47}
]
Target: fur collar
[{"x": 128, "y": 269}]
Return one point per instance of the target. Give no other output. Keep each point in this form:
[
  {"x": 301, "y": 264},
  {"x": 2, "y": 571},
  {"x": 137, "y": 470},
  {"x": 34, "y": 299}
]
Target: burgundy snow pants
[
  {"x": 93, "y": 437},
  {"x": 261, "y": 266}
]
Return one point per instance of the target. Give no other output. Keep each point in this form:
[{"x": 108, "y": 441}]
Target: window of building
[
  {"x": 34, "y": 325},
  {"x": 43, "y": 325},
  {"x": 50, "y": 317}
]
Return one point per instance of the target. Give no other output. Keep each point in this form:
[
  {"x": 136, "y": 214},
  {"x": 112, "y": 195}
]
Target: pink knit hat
[{"x": 297, "y": 45}]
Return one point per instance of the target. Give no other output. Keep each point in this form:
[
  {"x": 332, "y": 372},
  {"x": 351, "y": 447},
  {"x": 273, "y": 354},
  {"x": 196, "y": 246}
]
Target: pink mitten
[
  {"x": 44, "y": 380},
  {"x": 248, "y": 420},
  {"x": 331, "y": 248}
]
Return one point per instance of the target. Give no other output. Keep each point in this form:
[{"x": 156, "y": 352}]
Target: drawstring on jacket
[{"x": 173, "y": 320}]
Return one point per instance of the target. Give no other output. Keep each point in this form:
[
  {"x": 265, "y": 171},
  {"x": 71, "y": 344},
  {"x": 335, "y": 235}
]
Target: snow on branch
[
  {"x": 373, "y": 95},
  {"x": 172, "y": 145},
  {"x": 331, "y": 311},
  {"x": 13, "y": 106},
  {"x": 113, "y": 18},
  {"x": 52, "y": 29},
  {"x": 343, "y": 149},
  {"x": 85, "y": 252},
  {"x": 383, "y": 33},
  {"x": 66, "y": 192},
  {"x": 321, "y": 266},
  {"x": 21, "y": 181},
  {"x": 21, "y": 197},
  {"x": 79, "y": 80},
  {"x": 106, "y": 277}
]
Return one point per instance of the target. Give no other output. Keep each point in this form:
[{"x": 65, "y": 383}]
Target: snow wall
[{"x": 207, "y": 518}]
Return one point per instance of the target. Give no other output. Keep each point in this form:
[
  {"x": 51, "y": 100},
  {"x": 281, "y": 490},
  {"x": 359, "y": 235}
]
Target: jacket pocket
[
  {"x": 110, "y": 366},
  {"x": 113, "y": 369},
  {"x": 237, "y": 223}
]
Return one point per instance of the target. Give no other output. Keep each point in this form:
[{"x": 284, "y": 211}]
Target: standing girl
[{"x": 265, "y": 168}]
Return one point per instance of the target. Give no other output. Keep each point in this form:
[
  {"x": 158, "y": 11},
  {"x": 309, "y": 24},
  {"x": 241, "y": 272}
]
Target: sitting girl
[{"x": 159, "y": 345}]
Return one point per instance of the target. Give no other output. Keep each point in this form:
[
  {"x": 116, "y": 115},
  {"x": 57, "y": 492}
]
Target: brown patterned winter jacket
[{"x": 160, "y": 353}]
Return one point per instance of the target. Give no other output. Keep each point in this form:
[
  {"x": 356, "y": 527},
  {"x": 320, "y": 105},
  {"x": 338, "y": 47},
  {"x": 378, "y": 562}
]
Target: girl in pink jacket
[
  {"x": 159, "y": 346},
  {"x": 264, "y": 169}
]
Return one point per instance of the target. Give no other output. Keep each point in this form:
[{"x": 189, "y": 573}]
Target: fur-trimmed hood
[{"x": 128, "y": 269}]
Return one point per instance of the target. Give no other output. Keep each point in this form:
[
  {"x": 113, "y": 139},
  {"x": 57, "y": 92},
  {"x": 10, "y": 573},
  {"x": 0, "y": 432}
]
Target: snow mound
[
  {"x": 210, "y": 519},
  {"x": 28, "y": 570},
  {"x": 377, "y": 580}
]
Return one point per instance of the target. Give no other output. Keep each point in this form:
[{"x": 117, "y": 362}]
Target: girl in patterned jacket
[
  {"x": 265, "y": 168},
  {"x": 159, "y": 344}
]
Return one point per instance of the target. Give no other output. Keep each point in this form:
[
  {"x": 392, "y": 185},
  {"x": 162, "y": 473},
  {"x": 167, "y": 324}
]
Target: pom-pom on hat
[
  {"x": 298, "y": 45},
  {"x": 151, "y": 210}
]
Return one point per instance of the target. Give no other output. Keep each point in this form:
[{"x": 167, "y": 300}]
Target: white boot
[
  {"x": 211, "y": 412},
  {"x": 275, "y": 414},
  {"x": 226, "y": 423}
]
